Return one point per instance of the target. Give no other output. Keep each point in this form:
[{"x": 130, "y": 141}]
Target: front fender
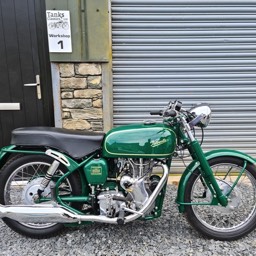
[{"x": 193, "y": 165}]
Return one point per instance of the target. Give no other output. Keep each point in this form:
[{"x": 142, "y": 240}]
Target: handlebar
[
  {"x": 170, "y": 112},
  {"x": 156, "y": 113},
  {"x": 173, "y": 109}
]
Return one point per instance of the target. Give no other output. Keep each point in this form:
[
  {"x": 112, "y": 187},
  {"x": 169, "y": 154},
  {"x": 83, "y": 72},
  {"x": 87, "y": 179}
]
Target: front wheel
[{"x": 235, "y": 220}]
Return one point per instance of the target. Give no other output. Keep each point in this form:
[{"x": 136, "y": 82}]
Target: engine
[
  {"x": 137, "y": 183},
  {"x": 108, "y": 205}
]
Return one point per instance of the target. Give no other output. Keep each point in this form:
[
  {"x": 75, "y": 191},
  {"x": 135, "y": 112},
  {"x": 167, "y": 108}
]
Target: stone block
[
  {"x": 66, "y": 115},
  {"x": 97, "y": 103},
  {"x": 97, "y": 126},
  {"x": 88, "y": 93},
  {"x": 87, "y": 113},
  {"x": 67, "y": 70},
  {"x": 76, "y": 103},
  {"x": 94, "y": 82},
  {"x": 67, "y": 95},
  {"x": 73, "y": 83},
  {"x": 87, "y": 69},
  {"x": 76, "y": 124}
]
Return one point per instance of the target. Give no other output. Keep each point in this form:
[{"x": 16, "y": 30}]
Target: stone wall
[{"x": 81, "y": 96}]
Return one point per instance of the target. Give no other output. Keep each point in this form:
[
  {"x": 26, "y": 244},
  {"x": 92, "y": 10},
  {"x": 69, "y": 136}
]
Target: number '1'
[{"x": 61, "y": 44}]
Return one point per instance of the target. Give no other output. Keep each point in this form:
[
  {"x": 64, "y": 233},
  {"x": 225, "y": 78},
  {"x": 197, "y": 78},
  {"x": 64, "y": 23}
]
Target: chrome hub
[
  {"x": 234, "y": 198},
  {"x": 29, "y": 193}
]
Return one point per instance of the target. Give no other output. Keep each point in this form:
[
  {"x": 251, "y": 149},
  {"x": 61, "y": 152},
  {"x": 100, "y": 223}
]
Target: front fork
[
  {"x": 205, "y": 169},
  {"x": 207, "y": 174}
]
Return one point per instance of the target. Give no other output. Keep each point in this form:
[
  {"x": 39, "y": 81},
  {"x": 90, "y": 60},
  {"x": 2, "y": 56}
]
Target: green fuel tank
[{"x": 140, "y": 141}]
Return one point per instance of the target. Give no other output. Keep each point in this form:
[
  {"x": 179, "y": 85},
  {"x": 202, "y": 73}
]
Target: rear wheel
[
  {"x": 235, "y": 220},
  {"x": 19, "y": 181}
]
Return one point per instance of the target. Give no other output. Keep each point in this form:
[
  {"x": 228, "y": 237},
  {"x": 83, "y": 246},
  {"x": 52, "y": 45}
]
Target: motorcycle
[{"x": 52, "y": 178}]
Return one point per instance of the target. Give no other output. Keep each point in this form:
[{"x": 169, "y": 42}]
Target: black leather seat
[{"x": 77, "y": 144}]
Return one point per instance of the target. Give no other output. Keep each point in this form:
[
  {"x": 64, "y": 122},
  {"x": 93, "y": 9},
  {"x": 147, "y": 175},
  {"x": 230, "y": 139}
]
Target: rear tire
[
  {"x": 235, "y": 220},
  {"x": 21, "y": 173}
]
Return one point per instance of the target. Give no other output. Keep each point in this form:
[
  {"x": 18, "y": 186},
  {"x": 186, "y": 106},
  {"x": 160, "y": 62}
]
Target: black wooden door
[{"x": 23, "y": 56}]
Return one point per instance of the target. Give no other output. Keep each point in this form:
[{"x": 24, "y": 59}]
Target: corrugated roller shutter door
[{"x": 194, "y": 51}]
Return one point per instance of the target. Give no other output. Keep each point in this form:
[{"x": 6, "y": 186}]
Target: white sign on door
[{"x": 59, "y": 31}]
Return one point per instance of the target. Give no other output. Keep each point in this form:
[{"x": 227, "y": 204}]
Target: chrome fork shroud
[{"x": 53, "y": 213}]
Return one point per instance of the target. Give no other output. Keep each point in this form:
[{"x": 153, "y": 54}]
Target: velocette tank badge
[{"x": 157, "y": 143}]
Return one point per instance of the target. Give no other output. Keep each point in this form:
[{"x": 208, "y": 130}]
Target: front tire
[
  {"x": 19, "y": 177},
  {"x": 235, "y": 220}
]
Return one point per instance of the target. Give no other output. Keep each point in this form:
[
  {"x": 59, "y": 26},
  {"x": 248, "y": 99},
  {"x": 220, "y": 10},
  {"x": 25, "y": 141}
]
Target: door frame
[{"x": 44, "y": 62}]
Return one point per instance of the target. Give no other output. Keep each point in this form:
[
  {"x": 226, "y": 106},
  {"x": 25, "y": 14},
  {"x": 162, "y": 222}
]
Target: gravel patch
[{"x": 168, "y": 235}]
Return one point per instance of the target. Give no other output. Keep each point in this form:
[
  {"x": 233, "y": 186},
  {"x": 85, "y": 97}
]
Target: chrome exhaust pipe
[
  {"x": 46, "y": 213},
  {"x": 53, "y": 213}
]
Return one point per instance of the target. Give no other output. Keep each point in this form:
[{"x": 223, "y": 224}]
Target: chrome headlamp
[{"x": 202, "y": 109}]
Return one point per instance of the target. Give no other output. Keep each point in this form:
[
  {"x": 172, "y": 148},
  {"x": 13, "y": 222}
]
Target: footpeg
[{"x": 120, "y": 218}]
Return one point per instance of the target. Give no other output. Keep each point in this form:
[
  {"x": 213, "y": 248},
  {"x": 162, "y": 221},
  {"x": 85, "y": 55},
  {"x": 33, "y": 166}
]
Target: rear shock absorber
[{"x": 45, "y": 182}]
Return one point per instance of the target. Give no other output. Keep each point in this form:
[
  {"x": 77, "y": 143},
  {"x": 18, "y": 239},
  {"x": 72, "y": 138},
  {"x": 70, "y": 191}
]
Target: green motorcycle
[{"x": 51, "y": 177}]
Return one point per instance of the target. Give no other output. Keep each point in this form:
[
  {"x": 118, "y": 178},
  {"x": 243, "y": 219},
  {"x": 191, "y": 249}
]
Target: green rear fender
[{"x": 193, "y": 165}]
